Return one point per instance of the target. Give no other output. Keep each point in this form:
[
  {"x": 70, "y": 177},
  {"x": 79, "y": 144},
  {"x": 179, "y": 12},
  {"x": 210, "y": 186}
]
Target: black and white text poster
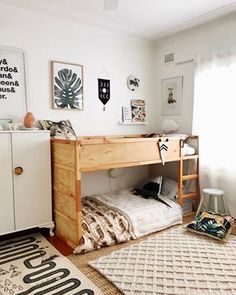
[{"x": 12, "y": 83}]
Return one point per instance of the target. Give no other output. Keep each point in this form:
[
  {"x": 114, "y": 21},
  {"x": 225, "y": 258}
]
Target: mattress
[{"x": 145, "y": 215}]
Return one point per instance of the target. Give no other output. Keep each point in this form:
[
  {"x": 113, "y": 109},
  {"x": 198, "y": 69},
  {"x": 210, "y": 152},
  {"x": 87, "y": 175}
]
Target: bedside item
[
  {"x": 214, "y": 195},
  {"x": 212, "y": 225},
  {"x": 62, "y": 129}
]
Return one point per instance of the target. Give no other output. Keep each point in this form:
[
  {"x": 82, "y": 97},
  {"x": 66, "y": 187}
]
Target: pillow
[
  {"x": 188, "y": 150},
  {"x": 61, "y": 129},
  {"x": 169, "y": 188},
  {"x": 212, "y": 225}
]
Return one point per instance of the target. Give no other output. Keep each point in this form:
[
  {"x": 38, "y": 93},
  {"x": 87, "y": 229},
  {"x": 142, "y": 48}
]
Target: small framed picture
[
  {"x": 172, "y": 95},
  {"x": 67, "y": 86},
  {"x": 138, "y": 110}
]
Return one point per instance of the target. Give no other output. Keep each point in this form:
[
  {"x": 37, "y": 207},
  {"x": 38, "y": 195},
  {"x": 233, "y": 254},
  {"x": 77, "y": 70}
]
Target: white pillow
[
  {"x": 188, "y": 150},
  {"x": 169, "y": 188}
]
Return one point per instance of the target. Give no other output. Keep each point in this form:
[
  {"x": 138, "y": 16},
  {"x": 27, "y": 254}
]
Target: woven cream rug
[
  {"x": 175, "y": 262},
  {"x": 31, "y": 265}
]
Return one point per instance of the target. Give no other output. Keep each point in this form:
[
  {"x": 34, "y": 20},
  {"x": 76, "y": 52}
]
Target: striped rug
[{"x": 31, "y": 265}]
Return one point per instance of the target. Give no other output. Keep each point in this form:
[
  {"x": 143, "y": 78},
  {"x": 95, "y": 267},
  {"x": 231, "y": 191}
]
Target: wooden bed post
[
  {"x": 78, "y": 189},
  {"x": 67, "y": 190},
  {"x": 180, "y": 173}
]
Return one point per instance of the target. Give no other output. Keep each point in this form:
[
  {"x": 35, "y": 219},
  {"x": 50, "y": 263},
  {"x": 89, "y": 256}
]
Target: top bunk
[{"x": 94, "y": 153}]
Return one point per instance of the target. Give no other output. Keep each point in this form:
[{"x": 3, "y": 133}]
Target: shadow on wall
[{"x": 114, "y": 179}]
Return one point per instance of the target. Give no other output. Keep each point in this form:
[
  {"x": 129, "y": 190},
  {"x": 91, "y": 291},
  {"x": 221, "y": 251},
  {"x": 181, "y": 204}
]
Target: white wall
[
  {"x": 213, "y": 36},
  {"x": 48, "y": 38}
]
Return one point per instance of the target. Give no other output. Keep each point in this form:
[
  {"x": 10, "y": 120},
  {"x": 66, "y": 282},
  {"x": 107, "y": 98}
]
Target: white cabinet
[{"x": 25, "y": 180}]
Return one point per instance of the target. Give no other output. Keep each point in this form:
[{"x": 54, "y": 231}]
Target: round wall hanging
[{"x": 133, "y": 83}]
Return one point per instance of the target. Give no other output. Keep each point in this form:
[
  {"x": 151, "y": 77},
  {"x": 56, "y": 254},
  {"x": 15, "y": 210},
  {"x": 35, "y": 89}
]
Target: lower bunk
[{"x": 120, "y": 216}]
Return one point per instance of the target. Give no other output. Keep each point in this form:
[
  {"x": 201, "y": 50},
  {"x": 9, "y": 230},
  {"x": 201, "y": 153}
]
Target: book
[
  {"x": 138, "y": 110},
  {"x": 126, "y": 115}
]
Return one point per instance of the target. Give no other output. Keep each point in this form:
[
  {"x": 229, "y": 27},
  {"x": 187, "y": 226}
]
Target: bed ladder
[{"x": 193, "y": 176}]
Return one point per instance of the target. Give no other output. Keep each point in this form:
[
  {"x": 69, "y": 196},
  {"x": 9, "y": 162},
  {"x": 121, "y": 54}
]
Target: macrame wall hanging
[
  {"x": 163, "y": 144},
  {"x": 104, "y": 89}
]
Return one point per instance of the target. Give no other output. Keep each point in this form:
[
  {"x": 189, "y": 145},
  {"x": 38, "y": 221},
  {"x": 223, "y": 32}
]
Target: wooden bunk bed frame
[{"x": 70, "y": 158}]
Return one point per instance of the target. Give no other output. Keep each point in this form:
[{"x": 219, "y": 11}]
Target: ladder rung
[
  {"x": 190, "y": 176},
  {"x": 190, "y": 195},
  {"x": 190, "y": 157}
]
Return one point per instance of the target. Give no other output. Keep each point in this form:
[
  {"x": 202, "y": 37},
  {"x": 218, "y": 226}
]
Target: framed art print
[
  {"x": 171, "y": 95},
  {"x": 67, "y": 86},
  {"x": 13, "y": 92}
]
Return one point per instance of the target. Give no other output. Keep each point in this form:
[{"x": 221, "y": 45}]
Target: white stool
[{"x": 214, "y": 195}]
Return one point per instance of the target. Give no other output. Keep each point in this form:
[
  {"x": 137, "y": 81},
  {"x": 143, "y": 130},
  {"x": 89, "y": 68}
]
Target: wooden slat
[
  {"x": 124, "y": 154},
  {"x": 66, "y": 229},
  {"x": 190, "y": 157},
  {"x": 190, "y": 176},
  {"x": 190, "y": 195}
]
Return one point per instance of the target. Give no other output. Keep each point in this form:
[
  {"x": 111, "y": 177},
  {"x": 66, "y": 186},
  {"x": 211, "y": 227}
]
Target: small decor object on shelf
[
  {"x": 29, "y": 120},
  {"x": 126, "y": 115},
  {"x": 138, "y": 110},
  {"x": 133, "y": 83},
  {"x": 104, "y": 91},
  {"x": 67, "y": 86}
]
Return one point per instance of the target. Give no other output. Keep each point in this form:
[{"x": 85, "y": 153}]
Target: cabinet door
[
  {"x": 6, "y": 188},
  {"x": 32, "y": 189}
]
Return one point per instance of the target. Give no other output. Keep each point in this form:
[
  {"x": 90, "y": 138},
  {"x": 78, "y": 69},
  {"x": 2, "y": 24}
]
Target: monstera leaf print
[{"x": 68, "y": 90}]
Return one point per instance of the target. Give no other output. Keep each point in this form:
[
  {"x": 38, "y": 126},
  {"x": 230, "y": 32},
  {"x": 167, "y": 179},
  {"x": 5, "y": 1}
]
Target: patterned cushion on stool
[{"x": 212, "y": 225}]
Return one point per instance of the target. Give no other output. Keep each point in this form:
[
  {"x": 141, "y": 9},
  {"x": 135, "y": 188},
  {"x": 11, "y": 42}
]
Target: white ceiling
[{"x": 150, "y": 19}]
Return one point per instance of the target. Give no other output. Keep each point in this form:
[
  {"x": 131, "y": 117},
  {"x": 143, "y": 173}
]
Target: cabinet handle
[{"x": 19, "y": 170}]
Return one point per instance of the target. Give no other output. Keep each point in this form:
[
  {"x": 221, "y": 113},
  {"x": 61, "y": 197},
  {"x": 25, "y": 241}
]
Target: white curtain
[{"x": 214, "y": 120}]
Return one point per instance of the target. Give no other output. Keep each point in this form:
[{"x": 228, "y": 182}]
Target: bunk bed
[{"x": 70, "y": 158}]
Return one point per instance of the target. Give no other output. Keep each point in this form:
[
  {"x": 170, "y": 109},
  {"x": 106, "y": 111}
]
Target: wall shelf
[{"x": 133, "y": 123}]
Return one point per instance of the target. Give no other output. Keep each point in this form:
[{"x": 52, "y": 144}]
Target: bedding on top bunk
[{"x": 120, "y": 216}]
